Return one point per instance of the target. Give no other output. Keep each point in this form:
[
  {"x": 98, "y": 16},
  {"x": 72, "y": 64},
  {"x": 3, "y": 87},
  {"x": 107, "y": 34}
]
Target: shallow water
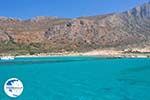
[{"x": 78, "y": 78}]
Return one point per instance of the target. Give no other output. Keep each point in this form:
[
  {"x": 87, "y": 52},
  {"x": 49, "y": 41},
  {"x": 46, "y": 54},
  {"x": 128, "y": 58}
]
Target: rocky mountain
[{"x": 129, "y": 29}]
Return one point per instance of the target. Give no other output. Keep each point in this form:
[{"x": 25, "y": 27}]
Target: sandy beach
[{"x": 102, "y": 53}]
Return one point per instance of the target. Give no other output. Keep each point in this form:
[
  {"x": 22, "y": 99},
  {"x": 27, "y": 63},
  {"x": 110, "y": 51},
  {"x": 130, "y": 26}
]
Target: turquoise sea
[{"x": 78, "y": 78}]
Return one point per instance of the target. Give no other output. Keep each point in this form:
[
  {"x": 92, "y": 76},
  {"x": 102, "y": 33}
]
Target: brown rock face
[
  {"x": 50, "y": 34},
  {"x": 3, "y": 36}
]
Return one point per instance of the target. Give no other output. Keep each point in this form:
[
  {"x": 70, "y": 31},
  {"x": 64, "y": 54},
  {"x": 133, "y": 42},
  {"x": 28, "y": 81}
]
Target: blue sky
[{"x": 64, "y": 8}]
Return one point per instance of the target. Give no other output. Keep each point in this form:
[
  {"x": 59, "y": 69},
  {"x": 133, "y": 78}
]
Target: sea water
[{"x": 78, "y": 78}]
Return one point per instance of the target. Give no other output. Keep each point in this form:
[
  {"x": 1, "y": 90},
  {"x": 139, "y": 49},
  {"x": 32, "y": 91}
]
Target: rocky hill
[{"x": 129, "y": 29}]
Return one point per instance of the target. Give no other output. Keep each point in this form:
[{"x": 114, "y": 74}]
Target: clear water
[{"x": 78, "y": 78}]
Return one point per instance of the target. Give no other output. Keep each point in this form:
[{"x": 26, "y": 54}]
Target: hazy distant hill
[{"x": 51, "y": 34}]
